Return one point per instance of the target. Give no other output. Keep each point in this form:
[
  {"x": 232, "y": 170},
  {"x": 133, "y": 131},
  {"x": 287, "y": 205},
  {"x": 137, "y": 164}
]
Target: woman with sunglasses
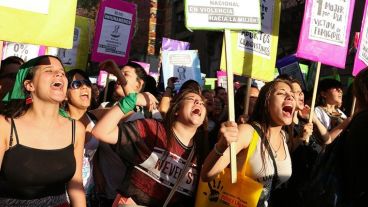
[
  {"x": 151, "y": 148},
  {"x": 41, "y": 148},
  {"x": 79, "y": 96}
]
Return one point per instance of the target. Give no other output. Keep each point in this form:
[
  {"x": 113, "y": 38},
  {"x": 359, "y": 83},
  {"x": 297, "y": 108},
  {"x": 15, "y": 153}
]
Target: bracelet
[
  {"x": 128, "y": 103},
  {"x": 217, "y": 151}
]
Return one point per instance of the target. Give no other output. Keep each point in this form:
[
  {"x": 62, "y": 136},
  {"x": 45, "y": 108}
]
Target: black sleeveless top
[{"x": 30, "y": 173}]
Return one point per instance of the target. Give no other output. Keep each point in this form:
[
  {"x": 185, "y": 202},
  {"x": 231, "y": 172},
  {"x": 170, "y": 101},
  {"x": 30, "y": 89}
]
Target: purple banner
[{"x": 173, "y": 45}]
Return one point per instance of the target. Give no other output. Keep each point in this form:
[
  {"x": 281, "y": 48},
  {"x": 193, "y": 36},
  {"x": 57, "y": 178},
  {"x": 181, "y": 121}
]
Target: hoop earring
[{"x": 29, "y": 99}]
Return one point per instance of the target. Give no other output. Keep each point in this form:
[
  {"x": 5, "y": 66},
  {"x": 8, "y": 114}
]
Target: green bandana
[{"x": 17, "y": 91}]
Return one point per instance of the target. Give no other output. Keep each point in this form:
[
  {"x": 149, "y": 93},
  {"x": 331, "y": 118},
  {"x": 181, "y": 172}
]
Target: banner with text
[
  {"x": 223, "y": 14},
  {"x": 77, "y": 57},
  {"x": 39, "y": 22},
  {"x": 254, "y": 53},
  {"x": 114, "y": 31},
  {"x": 183, "y": 64},
  {"x": 24, "y": 51},
  {"x": 361, "y": 57},
  {"x": 325, "y": 31}
]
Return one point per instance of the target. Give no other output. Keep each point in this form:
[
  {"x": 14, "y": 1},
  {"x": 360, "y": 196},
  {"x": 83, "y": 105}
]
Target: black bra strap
[
  {"x": 73, "y": 131},
  {"x": 13, "y": 128}
]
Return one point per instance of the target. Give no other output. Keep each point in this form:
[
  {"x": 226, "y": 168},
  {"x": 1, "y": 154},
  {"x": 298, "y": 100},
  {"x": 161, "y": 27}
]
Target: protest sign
[
  {"x": 254, "y": 54},
  {"x": 290, "y": 66},
  {"x": 183, "y": 64},
  {"x": 172, "y": 45},
  {"x": 77, "y": 57},
  {"x": 145, "y": 66},
  {"x": 114, "y": 31},
  {"x": 222, "y": 14},
  {"x": 325, "y": 31},
  {"x": 361, "y": 58},
  {"x": 39, "y": 22},
  {"x": 24, "y": 51}
]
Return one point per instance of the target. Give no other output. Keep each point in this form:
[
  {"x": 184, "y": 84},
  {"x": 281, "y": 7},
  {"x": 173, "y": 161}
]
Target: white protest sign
[
  {"x": 69, "y": 56},
  {"x": 329, "y": 19},
  {"x": 38, "y": 6},
  {"x": 115, "y": 32},
  {"x": 259, "y": 43},
  {"x": 363, "y": 49},
  {"x": 24, "y": 51},
  {"x": 223, "y": 14}
]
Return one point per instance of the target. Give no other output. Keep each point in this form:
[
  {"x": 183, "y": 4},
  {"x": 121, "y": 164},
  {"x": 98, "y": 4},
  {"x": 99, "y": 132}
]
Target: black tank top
[{"x": 30, "y": 173}]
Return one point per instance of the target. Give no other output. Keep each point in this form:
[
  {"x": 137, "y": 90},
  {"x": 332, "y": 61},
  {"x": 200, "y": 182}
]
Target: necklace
[{"x": 273, "y": 149}]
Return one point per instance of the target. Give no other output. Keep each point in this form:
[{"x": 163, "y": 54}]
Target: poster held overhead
[
  {"x": 114, "y": 31},
  {"x": 47, "y": 22},
  {"x": 183, "y": 64},
  {"x": 361, "y": 57},
  {"x": 324, "y": 36},
  {"x": 254, "y": 53},
  {"x": 222, "y": 14}
]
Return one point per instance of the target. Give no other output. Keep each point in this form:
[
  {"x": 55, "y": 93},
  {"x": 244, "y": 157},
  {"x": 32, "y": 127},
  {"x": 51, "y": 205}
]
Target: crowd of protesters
[{"x": 62, "y": 144}]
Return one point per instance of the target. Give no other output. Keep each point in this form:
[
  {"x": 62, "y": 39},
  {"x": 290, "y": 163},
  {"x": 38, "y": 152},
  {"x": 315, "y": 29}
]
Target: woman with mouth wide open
[
  {"x": 156, "y": 151},
  {"x": 41, "y": 148},
  {"x": 273, "y": 110}
]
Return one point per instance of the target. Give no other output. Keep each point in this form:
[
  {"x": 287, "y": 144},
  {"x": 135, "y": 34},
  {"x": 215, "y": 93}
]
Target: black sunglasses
[{"x": 78, "y": 83}]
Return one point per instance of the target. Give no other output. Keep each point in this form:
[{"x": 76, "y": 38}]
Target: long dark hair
[
  {"x": 261, "y": 114},
  {"x": 200, "y": 138},
  {"x": 18, "y": 107},
  {"x": 360, "y": 88},
  {"x": 70, "y": 75},
  {"x": 139, "y": 70}
]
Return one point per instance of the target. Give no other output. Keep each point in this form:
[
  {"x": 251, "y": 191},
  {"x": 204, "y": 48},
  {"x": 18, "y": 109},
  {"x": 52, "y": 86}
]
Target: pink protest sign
[
  {"x": 145, "y": 66},
  {"x": 325, "y": 31},
  {"x": 361, "y": 57},
  {"x": 114, "y": 31}
]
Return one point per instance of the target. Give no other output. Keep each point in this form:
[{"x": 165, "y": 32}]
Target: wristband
[
  {"x": 217, "y": 151},
  {"x": 128, "y": 103}
]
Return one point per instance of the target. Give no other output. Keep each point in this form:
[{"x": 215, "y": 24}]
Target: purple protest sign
[
  {"x": 145, "y": 66},
  {"x": 172, "y": 45},
  {"x": 325, "y": 31},
  {"x": 361, "y": 57},
  {"x": 114, "y": 31}
]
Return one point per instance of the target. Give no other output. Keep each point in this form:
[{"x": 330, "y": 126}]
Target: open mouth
[
  {"x": 287, "y": 110},
  {"x": 197, "y": 112},
  {"x": 85, "y": 95},
  {"x": 57, "y": 85}
]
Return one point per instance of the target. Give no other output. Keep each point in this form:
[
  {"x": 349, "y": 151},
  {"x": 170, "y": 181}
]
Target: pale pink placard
[
  {"x": 121, "y": 6},
  {"x": 358, "y": 63},
  {"x": 326, "y": 53},
  {"x": 145, "y": 66}
]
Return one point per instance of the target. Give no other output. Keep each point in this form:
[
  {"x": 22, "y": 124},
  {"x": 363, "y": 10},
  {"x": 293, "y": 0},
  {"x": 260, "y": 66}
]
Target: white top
[
  {"x": 265, "y": 174},
  {"x": 324, "y": 118}
]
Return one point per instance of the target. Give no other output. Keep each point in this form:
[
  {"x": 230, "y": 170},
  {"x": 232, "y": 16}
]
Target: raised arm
[
  {"x": 75, "y": 185},
  {"x": 219, "y": 157},
  {"x": 107, "y": 129}
]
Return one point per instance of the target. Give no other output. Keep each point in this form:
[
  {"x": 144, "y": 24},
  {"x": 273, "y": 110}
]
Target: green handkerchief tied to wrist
[{"x": 128, "y": 103}]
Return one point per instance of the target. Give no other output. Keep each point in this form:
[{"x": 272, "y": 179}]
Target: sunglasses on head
[{"x": 78, "y": 83}]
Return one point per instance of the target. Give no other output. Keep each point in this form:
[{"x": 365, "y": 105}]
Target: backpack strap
[
  {"x": 250, "y": 152},
  {"x": 181, "y": 176}
]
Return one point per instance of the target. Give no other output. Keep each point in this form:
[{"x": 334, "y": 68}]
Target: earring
[{"x": 28, "y": 100}]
